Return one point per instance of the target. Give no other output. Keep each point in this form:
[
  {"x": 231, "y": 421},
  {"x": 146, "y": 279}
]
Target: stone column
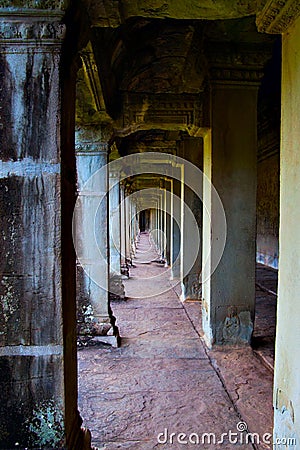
[
  {"x": 281, "y": 18},
  {"x": 116, "y": 288},
  {"x": 124, "y": 264},
  {"x": 156, "y": 225},
  {"x": 160, "y": 230},
  {"x": 165, "y": 239},
  {"x": 192, "y": 150},
  {"x": 123, "y": 224},
  {"x": 152, "y": 221},
  {"x": 160, "y": 225},
  {"x": 168, "y": 201},
  {"x": 38, "y": 407},
  {"x": 94, "y": 313},
  {"x": 163, "y": 222},
  {"x": 178, "y": 224},
  {"x": 230, "y": 164},
  {"x": 127, "y": 201},
  {"x": 171, "y": 223},
  {"x": 287, "y": 358},
  {"x": 133, "y": 208},
  {"x": 131, "y": 228}
]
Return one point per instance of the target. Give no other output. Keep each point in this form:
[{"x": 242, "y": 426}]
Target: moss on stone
[{"x": 47, "y": 424}]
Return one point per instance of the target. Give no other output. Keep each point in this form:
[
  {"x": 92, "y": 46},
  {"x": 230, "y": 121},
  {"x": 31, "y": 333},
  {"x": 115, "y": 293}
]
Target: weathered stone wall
[
  {"x": 268, "y": 132},
  {"x": 268, "y": 211}
]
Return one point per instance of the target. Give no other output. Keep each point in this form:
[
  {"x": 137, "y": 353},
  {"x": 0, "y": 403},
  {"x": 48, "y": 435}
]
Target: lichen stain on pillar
[
  {"x": 23, "y": 420},
  {"x": 11, "y": 285},
  {"x": 9, "y": 305},
  {"x": 236, "y": 329},
  {"x": 47, "y": 424},
  {"x": 30, "y": 311}
]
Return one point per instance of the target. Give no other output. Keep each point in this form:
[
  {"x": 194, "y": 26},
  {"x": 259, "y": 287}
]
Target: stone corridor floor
[{"x": 163, "y": 381}]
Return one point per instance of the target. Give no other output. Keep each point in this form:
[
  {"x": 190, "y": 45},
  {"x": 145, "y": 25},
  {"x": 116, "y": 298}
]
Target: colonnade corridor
[{"x": 163, "y": 380}]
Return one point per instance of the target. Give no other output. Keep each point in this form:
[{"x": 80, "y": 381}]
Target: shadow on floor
[{"x": 263, "y": 341}]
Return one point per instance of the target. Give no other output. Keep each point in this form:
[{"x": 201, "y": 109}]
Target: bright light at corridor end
[{"x": 88, "y": 221}]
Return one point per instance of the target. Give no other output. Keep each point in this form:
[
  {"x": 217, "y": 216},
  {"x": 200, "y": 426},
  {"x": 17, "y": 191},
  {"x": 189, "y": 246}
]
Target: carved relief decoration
[
  {"x": 18, "y": 30},
  {"x": 241, "y": 64},
  {"x": 182, "y": 110},
  {"x": 277, "y": 16}
]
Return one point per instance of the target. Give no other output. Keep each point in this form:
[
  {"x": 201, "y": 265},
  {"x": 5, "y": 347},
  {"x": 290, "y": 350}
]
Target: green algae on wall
[{"x": 47, "y": 424}]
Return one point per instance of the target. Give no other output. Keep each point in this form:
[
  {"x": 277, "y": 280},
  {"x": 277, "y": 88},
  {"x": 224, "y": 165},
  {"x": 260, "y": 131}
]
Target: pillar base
[
  {"x": 98, "y": 330},
  {"x": 191, "y": 289},
  {"x": 125, "y": 270},
  {"x": 116, "y": 287},
  {"x": 129, "y": 262},
  {"x": 110, "y": 339},
  {"x": 234, "y": 329},
  {"x": 113, "y": 340}
]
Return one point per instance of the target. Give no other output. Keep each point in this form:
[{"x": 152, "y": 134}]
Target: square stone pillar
[
  {"x": 192, "y": 151},
  {"x": 168, "y": 212},
  {"x": 230, "y": 164},
  {"x": 283, "y": 17},
  {"x": 156, "y": 234},
  {"x": 134, "y": 227},
  {"x": 171, "y": 222},
  {"x": 116, "y": 288},
  {"x": 235, "y": 68},
  {"x": 164, "y": 254},
  {"x": 159, "y": 234},
  {"x": 124, "y": 237},
  {"x": 178, "y": 224},
  {"x": 91, "y": 233},
  {"x": 287, "y": 354},
  {"x": 128, "y": 255},
  {"x": 38, "y": 407}
]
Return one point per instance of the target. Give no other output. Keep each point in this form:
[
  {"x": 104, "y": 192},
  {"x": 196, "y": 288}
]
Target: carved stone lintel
[
  {"x": 29, "y": 30},
  {"x": 181, "y": 112},
  {"x": 179, "y": 109},
  {"x": 235, "y": 76},
  {"x": 277, "y": 16},
  {"x": 37, "y": 5},
  {"x": 242, "y": 63}
]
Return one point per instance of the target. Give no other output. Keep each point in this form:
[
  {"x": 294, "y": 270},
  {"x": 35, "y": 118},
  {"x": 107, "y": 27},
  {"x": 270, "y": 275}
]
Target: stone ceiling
[
  {"x": 112, "y": 12},
  {"x": 152, "y": 73},
  {"x": 147, "y": 68}
]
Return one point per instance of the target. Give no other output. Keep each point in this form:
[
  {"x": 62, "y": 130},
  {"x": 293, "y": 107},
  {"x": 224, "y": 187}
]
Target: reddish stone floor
[{"x": 164, "y": 380}]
